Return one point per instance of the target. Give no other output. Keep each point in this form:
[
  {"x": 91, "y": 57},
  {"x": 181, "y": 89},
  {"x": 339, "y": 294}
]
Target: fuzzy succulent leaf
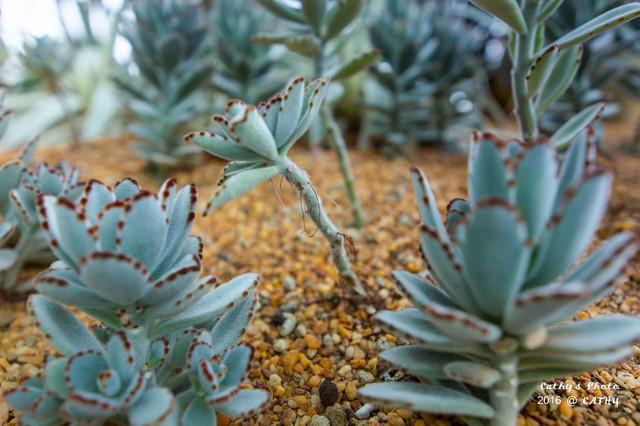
[
  {"x": 563, "y": 73},
  {"x": 340, "y": 15},
  {"x": 541, "y": 69},
  {"x": 506, "y": 10},
  {"x": 215, "y": 303},
  {"x": 60, "y": 326},
  {"x": 157, "y": 406},
  {"x": 568, "y": 131},
  {"x": 356, "y": 65},
  {"x": 424, "y": 397},
  {"x": 281, "y": 9},
  {"x": 613, "y": 17},
  {"x": 245, "y": 403}
]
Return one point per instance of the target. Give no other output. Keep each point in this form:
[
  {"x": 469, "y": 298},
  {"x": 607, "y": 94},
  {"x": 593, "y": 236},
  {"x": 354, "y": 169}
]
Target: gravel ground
[{"x": 315, "y": 344}]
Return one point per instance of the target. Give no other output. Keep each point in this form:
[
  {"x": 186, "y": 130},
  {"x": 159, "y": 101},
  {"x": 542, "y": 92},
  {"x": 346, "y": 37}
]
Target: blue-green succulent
[
  {"x": 126, "y": 258},
  {"x": 505, "y": 273},
  {"x": 319, "y": 30},
  {"x": 431, "y": 84},
  {"x": 167, "y": 40},
  {"x": 608, "y": 66},
  {"x": 257, "y": 139},
  {"x": 491, "y": 317},
  {"x": 243, "y": 69},
  {"x": 21, "y": 239}
]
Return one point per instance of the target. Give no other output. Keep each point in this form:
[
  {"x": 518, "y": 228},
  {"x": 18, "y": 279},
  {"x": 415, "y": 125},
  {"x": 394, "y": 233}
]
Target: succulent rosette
[
  {"x": 257, "y": 139},
  {"x": 21, "y": 237},
  {"x": 505, "y": 271},
  {"x": 124, "y": 252}
]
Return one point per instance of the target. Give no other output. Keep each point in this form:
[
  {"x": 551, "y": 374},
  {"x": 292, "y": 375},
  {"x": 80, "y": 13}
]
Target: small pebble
[
  {"x": 365, "y": 411},
  {"x": 328, "y": 392},
  {"x": 289, "y": 283},
  {"x": 320, "y": 421},
  {"x": 280, "y": 345},
  {"x": 288, "y": 325},
  {"x": 336, "y": 416}
]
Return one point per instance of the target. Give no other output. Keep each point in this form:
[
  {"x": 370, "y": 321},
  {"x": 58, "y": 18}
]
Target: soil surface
[{"x": 308, "y": 329}]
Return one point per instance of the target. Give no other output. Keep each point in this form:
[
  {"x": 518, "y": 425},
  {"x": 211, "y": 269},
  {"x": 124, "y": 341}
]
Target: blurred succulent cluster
[
  {"x": 486, "y": 326},
  {"x": 21, "y": 239},
  {"x": 431, "y": 85},
  {"x": 167, "y": 40},
  {"x": 165, "y": 350},
  {"x": 61, "y": 88},
  {"x": 609, "y": 66},
  {"x": 243, "y": 69}
]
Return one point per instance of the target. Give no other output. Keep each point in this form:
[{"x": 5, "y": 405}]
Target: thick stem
[
  {"x": 504, "y": 394},
  {"x": 523, "y": 58},
  {"x": 336, "y": 238},
  {"x": 339, "y": 145}
]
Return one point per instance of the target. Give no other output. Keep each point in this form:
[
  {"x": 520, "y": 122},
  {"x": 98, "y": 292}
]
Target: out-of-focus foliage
[
  {"x": 167, "y": 40},
  {"x": 431, "y": 85},
  {"x": 610, "y": 62},
  {"x": 62, "y": 89},
  {"x": 243, "y": 69}
]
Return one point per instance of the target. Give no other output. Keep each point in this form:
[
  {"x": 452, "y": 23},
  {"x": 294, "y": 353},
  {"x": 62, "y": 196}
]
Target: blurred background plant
[
  {"x": 60, "y": 87},
  {"x": 319, "y": 30},
  {"x": 431, "y": 85},
  {"x": 610, "y": 68},
  {"x": 167, "y": 78},
  {"x": 443, "y": 67},
  {"x": 243, "y": 69}
]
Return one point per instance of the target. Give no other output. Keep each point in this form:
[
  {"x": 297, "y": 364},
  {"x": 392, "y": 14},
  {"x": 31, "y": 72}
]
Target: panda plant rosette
[
  {"x": 506, "y": 272},
  {"x": 164, "y": 349}
]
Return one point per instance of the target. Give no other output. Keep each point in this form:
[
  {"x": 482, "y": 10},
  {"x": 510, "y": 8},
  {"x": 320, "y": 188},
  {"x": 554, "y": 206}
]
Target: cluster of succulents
[
  {"x": 428, "y": 86},
  {"x": 243, "y": 69},
  {"x": 505, "y": 271},
  {"x": 608, "y": 63},
  {"x": 319, "y": 30},
  {"x": 257, "y": 139},
  {"x": 21, "y": 240},
  {"x": 165, "y": 349},
  {"x": 167, "y": 40}
]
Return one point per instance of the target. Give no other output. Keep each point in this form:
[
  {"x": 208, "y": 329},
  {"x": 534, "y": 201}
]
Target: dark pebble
[{"x": 328, "y": 392}]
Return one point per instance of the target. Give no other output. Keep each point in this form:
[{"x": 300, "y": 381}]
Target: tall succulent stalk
[
  {"x": 542, "y": 72},
  {"x": 490, "y": 317},
  {"x": 318, "y": 30},
  {"x": 257, "y": 139}
]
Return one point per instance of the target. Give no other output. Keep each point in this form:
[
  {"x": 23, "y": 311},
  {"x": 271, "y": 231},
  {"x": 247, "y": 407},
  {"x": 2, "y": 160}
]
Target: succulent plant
[
  {"x": 62, "y": 89},
  {"x": 489, "y": 317},
  {"x": 126, "y": 258},
  {"x": 318, "y": 30},
  {"x": 167, "y": 40},
  {"x": 487, "y": 322},
  {"x": 257, "y": 139},
  {"x": 243, "y": 69},
  {"x": 21, "y": 239},
  {"x": 430, "y": 85},
  {"x": 608, "y": 66}
]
